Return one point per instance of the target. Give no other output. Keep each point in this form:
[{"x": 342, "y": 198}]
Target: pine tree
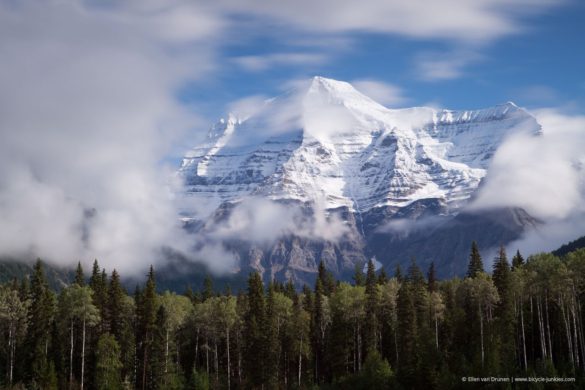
[
  {"x": 326, "y": 278},
  {"x": 398, "y": 273},
  {"x": 146, "y": 312},
  {"x": 407, "y": 336},
  {"x": 115, "y": 309},
  {"x": 207, "y": 288},
  {"x": 79, "y": 276},
  {"x": 358, "y": 275},
  {"x": 158, "y": 365},
  {"x": 254, "y": 336},
  {"x": 517, "y": 260},
  {"x": 475, "y": 263},
  {"x": 502, "y": 279},
  {"x": 382, "y": 276},
  {"x": 99, "y": 286},
  {"x": 432, "y": 278},
  {"x": 40, "y": 320}
]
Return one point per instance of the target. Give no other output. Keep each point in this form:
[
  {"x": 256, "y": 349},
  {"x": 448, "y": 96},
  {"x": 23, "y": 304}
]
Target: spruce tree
[
  {"x": 79, "y": 276},
  {"x": 115, "y": 301},
  {"x": 41, "y": 316},
  {"x": 158, "y": 364},
  {"x": 254, "y": 336},
  {"x": 358, "y": 275},
  {"x": 517, "y": 260},
  {"x": 382, "y": 276},
  {"x": 502, "y": 279},
  {"x": 398, "y": 273},
  {"x": 146, "y": 312},
  {"x": 407, "y": 336},
  {"x": 207, "y": 288},
  {"x": 475, "y": 263},
  {"x": 326, "y": 278},
  {"x": 432, "y": 278}
]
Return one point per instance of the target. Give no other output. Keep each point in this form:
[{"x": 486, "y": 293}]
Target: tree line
[{"x": 378, "y": 332}]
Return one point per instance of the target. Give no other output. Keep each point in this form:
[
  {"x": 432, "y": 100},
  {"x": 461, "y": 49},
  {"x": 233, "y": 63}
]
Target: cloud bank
[
  {"x": 545, "y": 175},
  {"x": 87, "y": 114}
]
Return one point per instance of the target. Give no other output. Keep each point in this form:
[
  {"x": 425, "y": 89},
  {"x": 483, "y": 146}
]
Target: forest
[{"x": 520, "y": 319}]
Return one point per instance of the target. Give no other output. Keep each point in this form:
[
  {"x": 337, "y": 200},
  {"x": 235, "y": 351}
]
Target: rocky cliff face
[{"x": 352, "y": 179}]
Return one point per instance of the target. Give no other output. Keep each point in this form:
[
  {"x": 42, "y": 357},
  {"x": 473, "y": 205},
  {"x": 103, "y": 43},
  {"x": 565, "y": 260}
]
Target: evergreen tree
[
  {"x": 407, "y": 336},
  {"x": 517, "y": 260},
  {"x": 41, "y": 313},
  {"x": 207, "y": 288},
  {"x": 115, "y": 304},
  {"x": 358, "y": 275},
  {"x": 99, "y": 286},
  {"x": 319, "y": 327},
  {"x": 326, "y": 278},
  {"x": 502, "y": 279},
  {"x": 398, "y": 273},
  {"x": 146, "y": 307},
  {"x": 382, "y": 276},
  {"x": 158, "y": 363},
  {"x": 432, "y": 278},
  {"x": 79, "y": 276},
  {"x": 475, "y": 263},
  {"x": 108, "y": 364},
  {"x": 254, "y": 336}
]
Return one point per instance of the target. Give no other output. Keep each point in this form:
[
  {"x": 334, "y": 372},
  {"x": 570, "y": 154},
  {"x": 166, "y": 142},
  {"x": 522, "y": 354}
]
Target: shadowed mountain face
[{"x": 324, "y": 173}]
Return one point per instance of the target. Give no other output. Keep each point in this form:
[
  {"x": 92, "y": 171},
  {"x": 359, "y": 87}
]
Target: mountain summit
[{"x": 325, "y": 143}]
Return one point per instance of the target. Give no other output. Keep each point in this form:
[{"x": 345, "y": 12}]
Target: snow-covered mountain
[{"x": 325, "y": 143}]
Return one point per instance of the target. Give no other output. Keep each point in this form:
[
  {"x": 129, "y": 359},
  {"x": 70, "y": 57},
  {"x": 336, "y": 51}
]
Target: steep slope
[{"x": 325, "y": 144}]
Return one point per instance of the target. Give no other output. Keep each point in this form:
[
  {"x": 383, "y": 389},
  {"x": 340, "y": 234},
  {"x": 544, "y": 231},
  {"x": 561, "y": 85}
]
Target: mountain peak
[{"x": 326, "y": 140}]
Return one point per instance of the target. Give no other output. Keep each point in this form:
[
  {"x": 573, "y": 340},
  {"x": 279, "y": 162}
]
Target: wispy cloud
[
  {"x": 454, "y": 20},
  {"x": 384, "y": 93},
  {"x": 437, "y": 66},
  {"x": 259, "y": 63}
]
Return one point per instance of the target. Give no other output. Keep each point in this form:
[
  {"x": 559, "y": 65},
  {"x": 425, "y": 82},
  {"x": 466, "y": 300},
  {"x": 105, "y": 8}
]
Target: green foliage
[
  {"x": 108, "y": 364},
  {"x": 407, "y": 332},
  {"x": 475, "y": 263},
  {"x": 199, "y": 381}
]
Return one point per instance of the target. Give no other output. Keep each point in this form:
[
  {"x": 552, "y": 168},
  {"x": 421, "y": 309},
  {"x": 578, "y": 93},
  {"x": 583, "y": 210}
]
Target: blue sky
[{"x": 540, "y": 64}]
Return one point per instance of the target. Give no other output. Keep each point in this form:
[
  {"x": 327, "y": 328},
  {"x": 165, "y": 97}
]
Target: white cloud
[
  {"x": 87, "y": 113},
  {"x": 263, "y": 221},
  {"x": 545, "y": 175},
  {"x": 384, "y": 93},
  {"x": 453, "y": 20},
  {"x": 259, "y": 63},
  {"x": 443, "y": 66},
  {"x": 247, "y": 106}
]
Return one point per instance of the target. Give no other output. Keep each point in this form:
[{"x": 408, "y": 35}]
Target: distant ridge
[{"x": 570, "y": 247}]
